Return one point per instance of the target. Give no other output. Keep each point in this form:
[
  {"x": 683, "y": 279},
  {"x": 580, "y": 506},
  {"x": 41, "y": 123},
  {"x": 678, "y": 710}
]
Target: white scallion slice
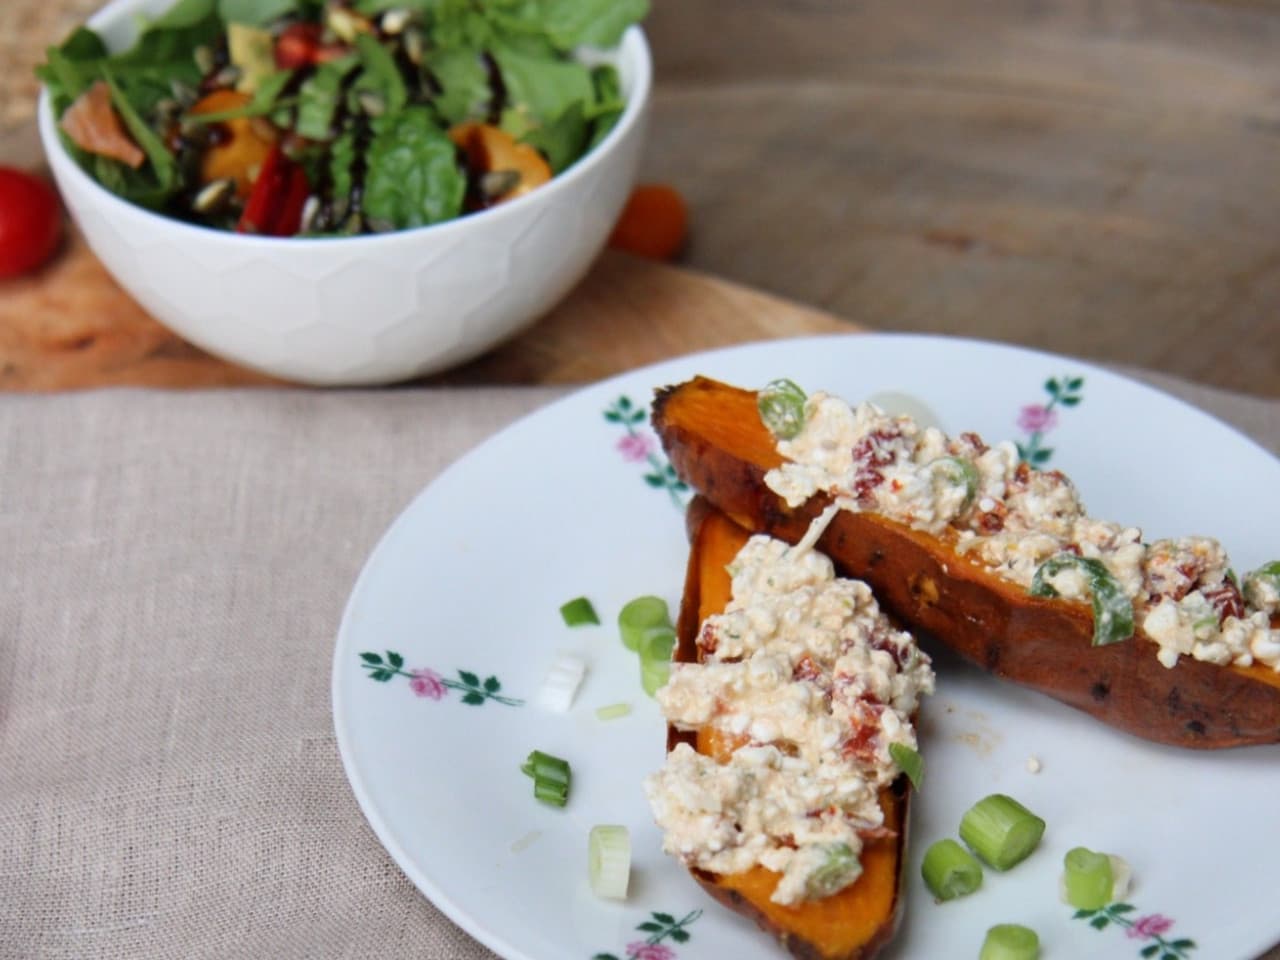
[
  {"x": 609, "y": 861},
  {"x": 561, "y": 683}
]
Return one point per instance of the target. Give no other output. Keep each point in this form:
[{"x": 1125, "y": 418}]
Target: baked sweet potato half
[
  {"x": 717, "y": 442},
  {"x": 852, "y": 924}
]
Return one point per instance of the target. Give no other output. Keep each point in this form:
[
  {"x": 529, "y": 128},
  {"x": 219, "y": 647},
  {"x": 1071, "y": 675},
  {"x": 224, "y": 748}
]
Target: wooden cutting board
[{"x": 71, "y": 327}]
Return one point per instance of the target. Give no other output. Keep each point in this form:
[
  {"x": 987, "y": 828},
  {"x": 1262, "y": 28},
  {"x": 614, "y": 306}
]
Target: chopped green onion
[
  {"x": 551, "y": 777},
  {"x": 909, "y": 762},
  {"x": 1010, "y": 941},
  {"x": 1112, "y": 610},
  {"x": 561, "y": 683},
  {"x": 613, "y": 711},
  {"x": 609, "y": 860},
  {"x": 639, "y": 616},
  {"x": 950, "y": 871},
  {"x": 1001, "y": 831},
  {"x": 1086, "y": 879},
  {"x": 578, "y": 611},
  {"x": 655, "y": 659},
  {"x": 1261, "y": 582},
  {"x": 840, "y": 868},
  {"x": 961, "y": 473},
  {"x": 781, "y": 406},
  {"x": 555, "y": 794}
]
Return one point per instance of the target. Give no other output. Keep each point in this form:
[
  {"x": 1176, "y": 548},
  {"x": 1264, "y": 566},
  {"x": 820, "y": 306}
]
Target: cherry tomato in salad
[
  {"x": 653, "y": 223},
  {"x": 30, "y": 221},
  {"x": 299, "y": 45}
]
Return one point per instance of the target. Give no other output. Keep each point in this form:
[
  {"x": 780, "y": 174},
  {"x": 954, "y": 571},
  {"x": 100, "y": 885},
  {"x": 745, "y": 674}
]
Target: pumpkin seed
[
  {"x": 394, "y": 21},
  {"x": 497, "y": 182}
]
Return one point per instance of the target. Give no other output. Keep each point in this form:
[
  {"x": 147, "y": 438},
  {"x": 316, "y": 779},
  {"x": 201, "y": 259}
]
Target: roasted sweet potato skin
[
  {"x": 717, "y": 444},
  {"x": 855, "y": 923}
]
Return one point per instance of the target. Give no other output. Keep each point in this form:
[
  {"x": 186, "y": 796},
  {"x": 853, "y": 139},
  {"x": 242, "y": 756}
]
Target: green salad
[{"x": 314, "y": 118}]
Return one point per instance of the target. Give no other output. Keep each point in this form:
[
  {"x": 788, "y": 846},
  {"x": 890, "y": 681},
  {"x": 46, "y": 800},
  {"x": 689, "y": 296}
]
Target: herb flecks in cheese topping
[
  {"x": 805, "y": 674},
  {"x": 1013, "y": 519}
]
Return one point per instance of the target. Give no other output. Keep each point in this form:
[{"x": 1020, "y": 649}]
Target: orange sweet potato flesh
[
  {"x": 714, "y": 438},
  {"x": 850, "y": 925}
]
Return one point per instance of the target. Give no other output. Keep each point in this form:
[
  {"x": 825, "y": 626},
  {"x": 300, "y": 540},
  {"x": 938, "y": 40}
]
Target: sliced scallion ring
[
  {"x": 1010, "y": 941},
  {"x": 840, "y": 867},
  {"x": 961, "y": 473},
  {"x": 1087, "y": 880},
  {"x": 909, "y": 762},
  {"x": 551, "y": 777},
  {"x": 1112, "y": 609},
  {"x": 613, "y": 711},
  {"x": 950, "y": 871},
  {"x": 609, "y": 860},
  {"x": 639, "y": 616},
  {"x": 1001, "y": 831},
  {"x": 781, "y": 406}
]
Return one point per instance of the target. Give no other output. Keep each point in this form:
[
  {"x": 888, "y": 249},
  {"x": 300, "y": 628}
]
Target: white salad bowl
[{"x": 369, "y": 309}]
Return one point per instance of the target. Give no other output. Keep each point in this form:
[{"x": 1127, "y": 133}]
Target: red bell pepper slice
[{"x": 275, "y": 203}]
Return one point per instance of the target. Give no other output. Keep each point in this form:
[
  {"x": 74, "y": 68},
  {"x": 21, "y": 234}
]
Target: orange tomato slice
[{"x": 243, "y": 148}]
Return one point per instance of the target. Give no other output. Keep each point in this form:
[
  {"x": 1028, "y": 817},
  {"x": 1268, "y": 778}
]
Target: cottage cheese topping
[
  {"x": 813, "y": 683},
  {"x": 1011, "y": 518}
]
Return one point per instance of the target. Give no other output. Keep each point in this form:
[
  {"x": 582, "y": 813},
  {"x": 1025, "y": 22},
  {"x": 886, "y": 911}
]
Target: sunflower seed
[
  {"x": 371, "y": 103},
  {"x": 497, "y": 182},
  {"x": 414, "y": 45},
  {"x": 394, "y": 21},
  {"x": 205, "y": 61},
  {"x": 214, "y": 196},
  {"x": 310, "y": 210},
  {"x": 227, "y": 76}
]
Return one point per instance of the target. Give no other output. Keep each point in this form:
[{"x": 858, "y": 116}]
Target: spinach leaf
[
  {"x": 255, "y": 13},
  {"x": 594, "y": 23},
  {"x": 412, "y": 176},
  {"x": 542, "y": 90},
  {"x": 380, "y": 74},
  {"x": 563, "y": 140},
  {"x": 608, "y": 105},
  {"x": 163, "y": 164},
  {"x": 175, "y": 36},
  {"x": 318, "y": 98},
  {"x": 464, "y": 85},
  {"x": 184, "y": 14}
]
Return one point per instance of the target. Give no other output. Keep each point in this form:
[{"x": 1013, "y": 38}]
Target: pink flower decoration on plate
[
  {"x": 427, "y": 683},
  {"x": 634, "y": 447},
  {"x": 649, "y": 951},
  {"x": 1152, "y": 925},
  {"x": 1036, "y": 418}
]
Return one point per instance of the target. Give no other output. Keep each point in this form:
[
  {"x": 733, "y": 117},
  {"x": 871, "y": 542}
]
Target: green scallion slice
[
  {"x": 1001, "y": 831},
  {"x": 613, "y": 711},
  {"x": 551, "y": 777},
  {"x": 609, "y": 860},
  {"x": 909, "y": 762},
  {"x": 961, "y": 473},
  {"x": 579, "y": 611},
  {"x": 1087, "y": 880},
  {"x": 781, "y": 406},
  {"x": 950, "y": 871},
  {"x": 1112, "y": 610},
  {"x": 1010, "y": 941},
  {"x": 639, "y": 616},
  {"x": 840, "y": 868},
  {"x": 655, "y": 658}
]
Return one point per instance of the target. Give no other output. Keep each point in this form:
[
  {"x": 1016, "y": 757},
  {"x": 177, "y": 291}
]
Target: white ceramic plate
[{"x": 465, "y": 587}]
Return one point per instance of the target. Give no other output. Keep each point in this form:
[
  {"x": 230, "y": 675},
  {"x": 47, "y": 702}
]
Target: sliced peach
[
  {"x": 239, "y": 152},
  {"x": 490, "y": 149}
]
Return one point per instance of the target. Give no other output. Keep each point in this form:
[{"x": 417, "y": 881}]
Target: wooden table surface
[{"x": 1095, "y": 179}]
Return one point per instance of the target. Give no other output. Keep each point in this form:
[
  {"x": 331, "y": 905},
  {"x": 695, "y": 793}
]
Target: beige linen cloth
[{"x": 173, "y": 571}]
